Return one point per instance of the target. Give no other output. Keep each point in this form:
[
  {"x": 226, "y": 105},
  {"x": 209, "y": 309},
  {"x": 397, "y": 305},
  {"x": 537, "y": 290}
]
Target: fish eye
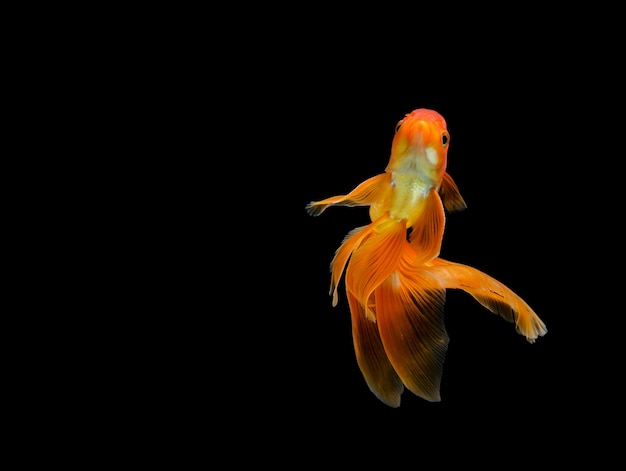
[{"x": 445, "y": 139}]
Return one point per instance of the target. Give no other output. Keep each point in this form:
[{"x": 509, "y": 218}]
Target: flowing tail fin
[
  {"x": 397, "y": 314},
  {"x": 377, "y": 370},
  {"x": 408, "y": 344},
  {"x": 409, "y": 311},
  {"x": 491, "y": 293}
]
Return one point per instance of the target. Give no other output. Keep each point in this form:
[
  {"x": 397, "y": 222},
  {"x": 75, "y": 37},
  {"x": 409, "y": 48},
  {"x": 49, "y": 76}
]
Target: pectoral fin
[
  {"x": 450, "y": 195},
  {"x": 367, "y": 193}
]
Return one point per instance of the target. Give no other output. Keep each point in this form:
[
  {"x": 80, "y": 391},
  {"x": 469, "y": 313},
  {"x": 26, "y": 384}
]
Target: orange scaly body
[{"x": 396, "y": 284}]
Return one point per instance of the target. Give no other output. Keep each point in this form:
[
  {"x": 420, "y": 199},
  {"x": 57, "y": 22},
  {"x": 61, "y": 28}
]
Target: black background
[{"x": 204, "y": 331}]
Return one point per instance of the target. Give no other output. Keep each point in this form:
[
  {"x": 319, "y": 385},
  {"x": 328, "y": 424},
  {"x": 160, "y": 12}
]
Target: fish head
[{"x": 420, "y": 145}]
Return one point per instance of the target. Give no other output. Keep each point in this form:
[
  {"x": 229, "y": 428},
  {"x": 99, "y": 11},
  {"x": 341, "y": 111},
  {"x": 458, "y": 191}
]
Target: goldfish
[{"x": 395, "y": 280}]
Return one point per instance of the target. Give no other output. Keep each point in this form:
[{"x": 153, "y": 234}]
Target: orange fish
[{"x": 395, "y": 281}]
